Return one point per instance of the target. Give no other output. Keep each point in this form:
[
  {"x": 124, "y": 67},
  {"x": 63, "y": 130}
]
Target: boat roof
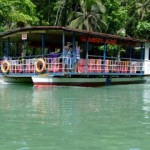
[{"x": 49, "y": 29}]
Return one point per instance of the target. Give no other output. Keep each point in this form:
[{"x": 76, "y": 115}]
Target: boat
[{"x": 36, "y": 54}]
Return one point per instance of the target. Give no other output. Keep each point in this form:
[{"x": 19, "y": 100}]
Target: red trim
[{"x": 94, "y": 84}]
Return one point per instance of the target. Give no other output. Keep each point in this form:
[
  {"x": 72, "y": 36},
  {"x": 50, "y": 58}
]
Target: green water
[{"x": 73, "y": 118}]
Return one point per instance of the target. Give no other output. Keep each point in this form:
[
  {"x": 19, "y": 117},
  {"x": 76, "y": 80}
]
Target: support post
[
  {"x": 3, "y": 49},
  {"x": 104, "y": 53},
  {"x": 43, "y": 44},
  {"x": 24, "y": 47},
  {"x": 63, "y": 41},
  {"x": 141, "y": 58},
  {"x": 147, "y": 59},
  {"x": 73, "y": 50},
  {"x": 108, "y": 80},
  {"x": 16, "y": 50},
  {"x": 104, "y": 57},
  {"x": 118, "y": 55},
  {"x": 146, "y": 52},
  {"x": 63, "y": 45},
  {"x": 8, "y": 47},
  {"x": 130, "y": 48},
  {"x": 141, "y": 51},
  {"x": 87, "y": 47}
]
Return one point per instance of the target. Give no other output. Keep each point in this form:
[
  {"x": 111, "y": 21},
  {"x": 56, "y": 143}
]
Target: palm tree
[
  {"x": 90, "y": 18},
  {"x": 143, "y": 8},
  {"x": 59, "y": 13}
]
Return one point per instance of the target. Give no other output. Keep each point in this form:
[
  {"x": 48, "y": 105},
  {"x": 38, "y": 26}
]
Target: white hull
[{"x": 69, "y": 81}]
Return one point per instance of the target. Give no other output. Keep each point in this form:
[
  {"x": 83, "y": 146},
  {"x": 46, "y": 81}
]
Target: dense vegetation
[{"x": 122, "y": 17}]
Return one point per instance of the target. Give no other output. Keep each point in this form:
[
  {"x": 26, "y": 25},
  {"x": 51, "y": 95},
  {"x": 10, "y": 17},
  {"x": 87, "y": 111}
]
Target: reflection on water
[
  {"x": 146, "y": 102},
  {"x": 64, "y": 118}
]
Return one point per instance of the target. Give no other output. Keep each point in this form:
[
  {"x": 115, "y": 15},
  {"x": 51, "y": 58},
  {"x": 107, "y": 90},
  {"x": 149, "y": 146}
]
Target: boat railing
[
  {"x": 25, "y": 66},
  {"x": 55, "y": 65},
  {"x": 66, "y": 65}
]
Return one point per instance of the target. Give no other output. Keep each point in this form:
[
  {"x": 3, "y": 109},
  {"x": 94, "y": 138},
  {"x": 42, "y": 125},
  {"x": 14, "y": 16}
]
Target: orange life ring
[
  {"x": 5, "y": 66},
  {"x": 40, "y": 65}
]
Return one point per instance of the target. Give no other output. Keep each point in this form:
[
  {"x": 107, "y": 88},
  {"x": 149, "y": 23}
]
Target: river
[{"x": 74, "y": 118}]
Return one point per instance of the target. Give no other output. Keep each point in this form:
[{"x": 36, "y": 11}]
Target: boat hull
[
  {"x": 9, "y": 79},
  {"x": 91, "y": 82}
]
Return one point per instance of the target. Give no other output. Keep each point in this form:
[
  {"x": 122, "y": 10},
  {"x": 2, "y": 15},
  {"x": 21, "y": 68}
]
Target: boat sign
[{"x": 24, "y": 36}]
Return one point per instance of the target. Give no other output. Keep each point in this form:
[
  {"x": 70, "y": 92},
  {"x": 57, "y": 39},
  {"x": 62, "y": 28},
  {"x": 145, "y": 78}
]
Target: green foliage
[
  {"x": 112, "y": 50},
  {"x": 90, "y": 17},
  {"x": 122, "y": 17},
  {"x": 14, "y": 11},
  {"x": 143, "y": 7},
  {"x": 116, "y": 15},
  {"x": 143, "y": 29},
  {"x": 2, "y": 28}
]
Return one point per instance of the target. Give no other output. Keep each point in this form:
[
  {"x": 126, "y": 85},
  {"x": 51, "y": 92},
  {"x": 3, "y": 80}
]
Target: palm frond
[
  {"x": 86, "y": 24},
  {"x": 90, "y": 16},
  {"x": 75, "y": 23},
  {"x": 101, "y": 7},
  {"x": 80, "y": 26}
]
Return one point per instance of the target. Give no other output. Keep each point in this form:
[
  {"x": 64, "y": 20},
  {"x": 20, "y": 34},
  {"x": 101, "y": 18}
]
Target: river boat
[{"x": 36, "y": 54}]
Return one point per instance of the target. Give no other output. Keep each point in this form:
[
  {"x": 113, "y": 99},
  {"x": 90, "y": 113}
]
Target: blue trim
[{"x": 102, "y": 74}]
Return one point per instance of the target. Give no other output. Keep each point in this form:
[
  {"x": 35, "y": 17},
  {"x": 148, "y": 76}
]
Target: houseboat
[{"x": 52, "y": 56}]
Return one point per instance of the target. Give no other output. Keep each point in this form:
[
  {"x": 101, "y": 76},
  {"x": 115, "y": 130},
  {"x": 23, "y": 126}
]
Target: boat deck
[{"x": 56, "y": 67}]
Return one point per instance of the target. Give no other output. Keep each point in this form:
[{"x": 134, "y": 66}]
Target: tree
[
  {"x": 61, "y": 6},
  {"x": 90, "y": 17},
  {"x": 14, "y": 11},
  {"x": 64, "y": 8},
  {"x": 138, "y": 11},
  {"x": 116, "y": 15},
  {"x": 46, "y": 11},
  {"x": 143, "y": 8},
  {"x": 143, "y": 30}
]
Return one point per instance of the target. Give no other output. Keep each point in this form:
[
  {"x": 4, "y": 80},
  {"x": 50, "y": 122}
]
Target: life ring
[
  {"x": 40, "y": 65},
  {"x": 5, "y": 66}
]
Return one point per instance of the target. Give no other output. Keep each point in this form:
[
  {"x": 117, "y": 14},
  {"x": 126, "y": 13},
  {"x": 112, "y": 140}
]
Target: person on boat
[
  {"x": 76, "y": 56},
  {"x": 4, "y": 57},
  {"x": 67, "y": 55},
  {"x": 53, "y": 54},
  {"x": 23, "y": 58}
]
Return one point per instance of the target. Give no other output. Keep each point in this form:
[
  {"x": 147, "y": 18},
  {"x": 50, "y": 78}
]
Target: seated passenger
[
  {"x": 4, "y": 57},
  {"x": 52, "y": 55}
]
